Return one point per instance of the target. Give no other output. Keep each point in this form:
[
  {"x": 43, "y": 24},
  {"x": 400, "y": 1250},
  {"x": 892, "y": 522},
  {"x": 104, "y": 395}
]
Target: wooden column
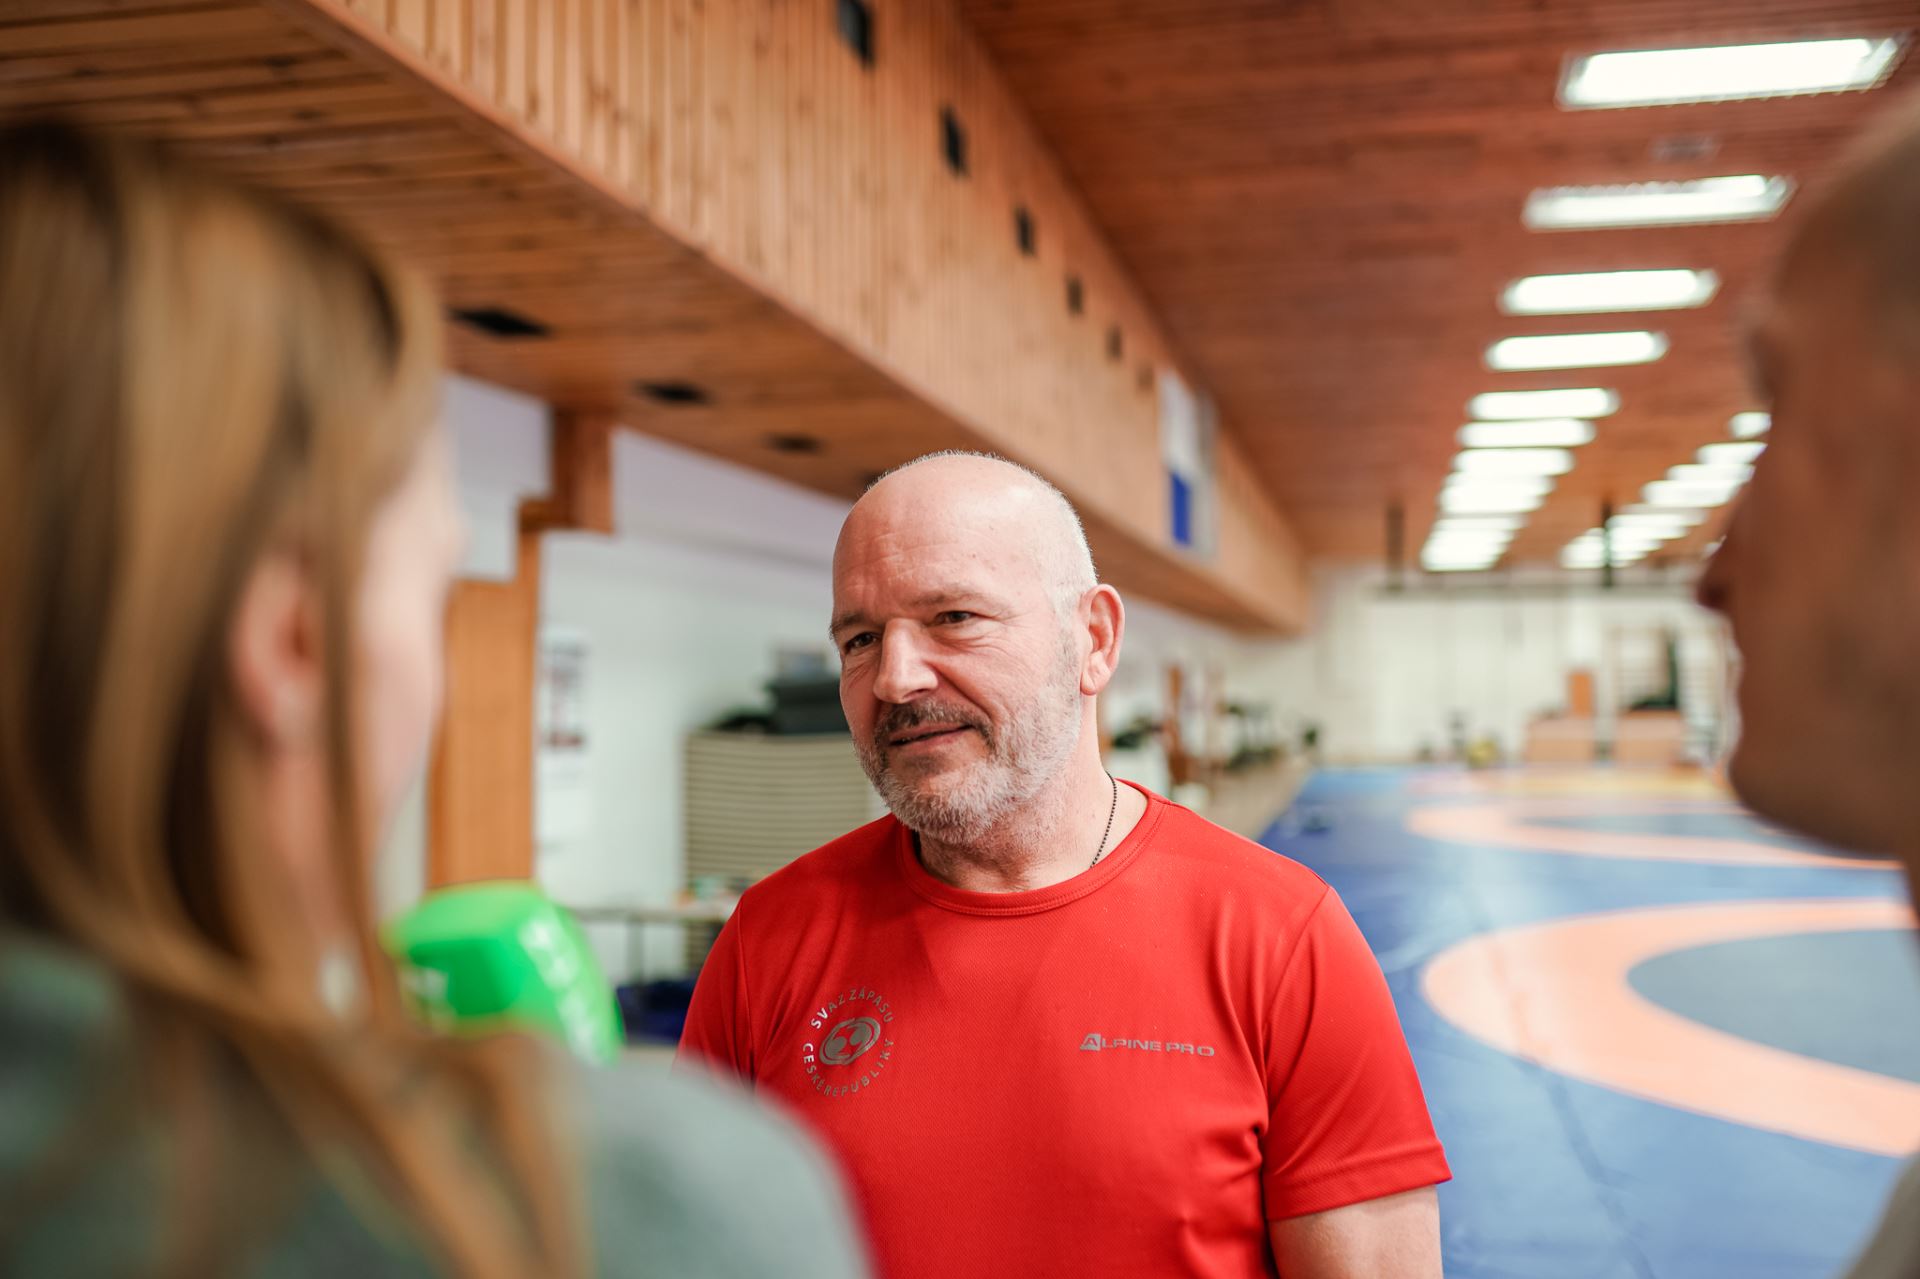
[{"x": 480, "y": 791}]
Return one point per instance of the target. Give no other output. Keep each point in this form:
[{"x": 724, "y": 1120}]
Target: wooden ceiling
[
  {"x": 1322, "y": 199},
  {"x": 286, "y": 93}
]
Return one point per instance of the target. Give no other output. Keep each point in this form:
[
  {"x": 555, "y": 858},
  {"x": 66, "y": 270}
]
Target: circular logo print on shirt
[{"x": 850, "y": 1038}]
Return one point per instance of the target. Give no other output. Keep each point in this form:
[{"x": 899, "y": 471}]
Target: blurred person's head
[
  {"x": 226, "y": 535},
  {"x": 973, "y": 637},
  {"x": 1819, "y": 574}
]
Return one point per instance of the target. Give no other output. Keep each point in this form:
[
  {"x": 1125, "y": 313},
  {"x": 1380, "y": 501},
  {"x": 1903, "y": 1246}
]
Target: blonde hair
[{"x": 194, "y": 375}]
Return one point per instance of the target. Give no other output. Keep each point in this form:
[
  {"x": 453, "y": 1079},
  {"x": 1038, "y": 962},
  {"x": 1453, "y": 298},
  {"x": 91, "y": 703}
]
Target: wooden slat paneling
[{"x": 770, "y": 222}]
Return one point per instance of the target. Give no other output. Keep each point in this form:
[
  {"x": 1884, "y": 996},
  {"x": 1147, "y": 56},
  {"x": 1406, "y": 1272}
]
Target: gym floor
[{"x": 1660, "y": 1039}]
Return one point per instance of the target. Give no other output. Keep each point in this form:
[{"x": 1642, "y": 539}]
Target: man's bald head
[{"x": 996, "y": 497}]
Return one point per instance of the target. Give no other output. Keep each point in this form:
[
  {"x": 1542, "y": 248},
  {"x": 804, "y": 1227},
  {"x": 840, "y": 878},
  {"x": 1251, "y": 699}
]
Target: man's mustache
[{"x": 915, "y": 714}]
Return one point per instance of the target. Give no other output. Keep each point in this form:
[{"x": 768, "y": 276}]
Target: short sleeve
[
  {"x": 719, "y": 1033},
  {"x": 1348, "y": 1122}
]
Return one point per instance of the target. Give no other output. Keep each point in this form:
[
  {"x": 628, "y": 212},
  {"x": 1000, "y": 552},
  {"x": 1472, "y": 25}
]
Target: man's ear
[
  {"x": 1106, "y": 626},
  {"x": 273, "y": 653}
]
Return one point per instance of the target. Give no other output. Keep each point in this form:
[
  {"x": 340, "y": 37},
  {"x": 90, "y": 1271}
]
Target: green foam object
[{"x": 502, "y": 956}]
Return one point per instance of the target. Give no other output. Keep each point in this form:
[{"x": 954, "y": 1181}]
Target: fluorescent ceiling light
[
  {"x": 1595, "y": 292},
  {"x": 1585, "y": 551},
  {"x": 1660, "y": 526},
  {"x": 1465, "y": 543},
  {"x": 1557, "y": 432},
  {"x": 1675, "y": 493},
  {"x": 1453, "y": 560},
  {"x": 1692, "y": 515},
  {"x": 1661, "y": 77},
  {"x": 1463, "y": 550},
  {"x": 1621, "y": 542},
  {"x": 1462, "y": 555},
  {"x": 1444, "y": 566},
  {"x": 1491, "y": 528},
  {"x": 1477, "y": 502},
  {"x": 1695, "y": 473},
  {"x": 1513, "y": 406},
  {"x": 1465, "y": 547},
  {"x": 1739, "y": 453},
  {"x": 1513, "y": 462},
  {"x": 1576, "y": 351},
  {"x": 1745, "y": 198},
  {"x": 1747, "y": 426},
  {"x": 1532, "y": 485}
]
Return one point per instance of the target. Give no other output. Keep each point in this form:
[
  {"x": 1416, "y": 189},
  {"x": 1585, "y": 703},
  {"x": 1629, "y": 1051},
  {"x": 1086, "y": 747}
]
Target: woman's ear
[
  {"x": 273, "y": 653},
  {"x": 1106, "y": 625}
]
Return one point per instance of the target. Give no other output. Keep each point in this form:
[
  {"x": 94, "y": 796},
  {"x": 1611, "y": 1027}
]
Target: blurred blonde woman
[{"x": 226, "y": 536}]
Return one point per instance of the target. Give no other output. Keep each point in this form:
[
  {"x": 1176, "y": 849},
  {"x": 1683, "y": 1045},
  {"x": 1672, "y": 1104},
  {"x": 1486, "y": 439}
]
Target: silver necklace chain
[{"x": 1108, "y": 833}]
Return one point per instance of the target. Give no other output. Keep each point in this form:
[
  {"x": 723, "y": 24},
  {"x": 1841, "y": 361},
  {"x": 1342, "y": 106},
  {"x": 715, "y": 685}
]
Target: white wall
[
  {"x": 501, "y": 455},
  {"x": 1384, "y": 673},
  {"x": 1215, "y": 662},
  {"x": 714, "y": 569}
]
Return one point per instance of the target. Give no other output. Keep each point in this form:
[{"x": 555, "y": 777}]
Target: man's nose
[{"x": 904, "y": 672}]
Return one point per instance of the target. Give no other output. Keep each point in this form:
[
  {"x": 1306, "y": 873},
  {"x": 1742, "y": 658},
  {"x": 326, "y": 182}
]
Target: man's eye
[
  {"x": 855, "y": 643},
  {"x": 954, "y": 616}
]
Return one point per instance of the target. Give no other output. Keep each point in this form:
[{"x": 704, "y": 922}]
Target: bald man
[
  {"x": 1051, "y": 1023},
  {"x": 1819, "y": 572}
]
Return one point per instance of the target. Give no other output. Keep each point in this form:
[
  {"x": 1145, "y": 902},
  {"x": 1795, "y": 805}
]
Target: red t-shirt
[{"x": 1128, "y": 1073}]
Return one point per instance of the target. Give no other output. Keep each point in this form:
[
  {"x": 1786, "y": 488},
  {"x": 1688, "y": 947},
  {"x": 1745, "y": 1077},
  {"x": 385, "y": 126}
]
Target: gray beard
[{"x": 964, "y": 806}]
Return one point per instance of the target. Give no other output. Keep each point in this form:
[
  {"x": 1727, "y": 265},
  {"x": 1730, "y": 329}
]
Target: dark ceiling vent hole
[
  {"x": 953, "y": 141},
  {"x": 497, "y": 321},
  {"x": 1023, "y": 234},
  {"x": 794, "y": 443},
  {"x": 856, "y": 28},
  {"x": 1076, "y": 296},
  {"x": 1116, "y": 344},
  {"x": 673, "y": 392}
]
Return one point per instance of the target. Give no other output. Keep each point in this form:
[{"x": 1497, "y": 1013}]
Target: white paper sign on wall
[{"x": 563, "y": 753}]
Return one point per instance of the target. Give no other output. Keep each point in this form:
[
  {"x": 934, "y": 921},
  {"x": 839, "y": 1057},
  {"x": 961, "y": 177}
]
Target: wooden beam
[{"x": 582, "y": 497}]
